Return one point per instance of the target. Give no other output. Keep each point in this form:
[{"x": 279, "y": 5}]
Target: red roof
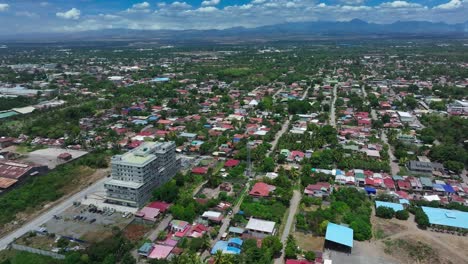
[
  {"x": 404, "y": 185},
  {"x": 389, "y": 183},
  {"x": 262, "y": 189},
  {"x": 231, "y": 163},
  {"x": 402, "y": 194},
  {"x": 200, "y": 170},
  {"x": 318, "y": 186},
  {"x": 162, "y": 206}
]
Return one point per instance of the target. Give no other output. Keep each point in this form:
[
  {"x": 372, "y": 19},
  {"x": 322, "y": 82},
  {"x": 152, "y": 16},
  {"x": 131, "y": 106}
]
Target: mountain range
[{"x": 294, "y": 30}]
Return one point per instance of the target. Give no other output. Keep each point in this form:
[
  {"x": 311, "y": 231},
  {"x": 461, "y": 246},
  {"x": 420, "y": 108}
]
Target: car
[{"x": 92, "y": 220}]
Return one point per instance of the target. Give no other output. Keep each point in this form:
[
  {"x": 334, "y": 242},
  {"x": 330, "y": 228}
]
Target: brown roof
[
  {"x": 13, "y": 170},
  {"x": 5, "y": 183}
]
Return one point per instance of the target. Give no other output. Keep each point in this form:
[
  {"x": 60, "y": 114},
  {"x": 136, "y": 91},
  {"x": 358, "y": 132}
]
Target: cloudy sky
[{"x": 78, "y": 15}]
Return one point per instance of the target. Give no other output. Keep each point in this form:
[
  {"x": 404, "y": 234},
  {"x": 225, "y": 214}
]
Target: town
[{"x": 296, "y": 153}]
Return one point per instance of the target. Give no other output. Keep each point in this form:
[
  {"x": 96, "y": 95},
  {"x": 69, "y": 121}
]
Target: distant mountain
[{"x": 296, "y": 30}]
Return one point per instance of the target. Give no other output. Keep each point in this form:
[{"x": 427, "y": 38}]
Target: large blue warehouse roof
[
  {"x": 439, "y": 216},
  {"x": 339, "y": 234}
]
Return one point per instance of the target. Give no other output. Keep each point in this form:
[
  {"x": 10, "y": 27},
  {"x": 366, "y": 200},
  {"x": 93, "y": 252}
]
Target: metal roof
[
  {"x": 339, "y": 234},
  {"x": 394, "y": 206},
  {"x": 445, "y": 217}
]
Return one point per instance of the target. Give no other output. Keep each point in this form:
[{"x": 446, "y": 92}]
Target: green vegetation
[
  {"x": 38, "y": 190},
  {"x": 420, "y": 217},
  {"x": 385, "y": 212},
  {"x": 349, "y": 206}
]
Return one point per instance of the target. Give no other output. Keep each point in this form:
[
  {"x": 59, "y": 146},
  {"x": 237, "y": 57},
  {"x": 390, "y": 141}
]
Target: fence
[{"x": 37, "y": 251}]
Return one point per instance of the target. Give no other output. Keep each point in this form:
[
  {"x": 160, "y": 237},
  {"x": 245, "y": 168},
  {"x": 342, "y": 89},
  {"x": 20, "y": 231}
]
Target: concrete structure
[
  {"x": 260, "y": 228},
  {"x": 136, "y": 173}
]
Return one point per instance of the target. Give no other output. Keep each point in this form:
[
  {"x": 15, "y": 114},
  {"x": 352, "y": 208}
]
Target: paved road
[
  {"x": 283, "y": 130},
  {"x": 56, "y": 210},
  {"x": 395, "y": 168},
  {"x": 295, "y": 200},
  {"x": 332, "y": 109}
]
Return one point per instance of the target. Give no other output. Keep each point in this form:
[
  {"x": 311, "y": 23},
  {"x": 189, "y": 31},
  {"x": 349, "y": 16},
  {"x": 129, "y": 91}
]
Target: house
[
  {"x": 160, "y": 252},
  {"x": 213, "y": 216},
  {"x": 231, "y": 163},
  {"x": 178, "y": 225},
  {"x": 161, "y": 206},
  {"x": 396, "y": 207},
  {"x": 404, "y": 185},
  {"x": 295, "y": 155},
  {"x": 232, "y": 246},
  {"x": 200, "y": 170},
  {"x": 145, "y": 249},
  {"x": 148, "y": 214},
  {"x": 261, "y": 189},
  {"x": 320, "y": 190},
  {"x": 405, "y": 117},
  {"x": 260, "y": 228}
]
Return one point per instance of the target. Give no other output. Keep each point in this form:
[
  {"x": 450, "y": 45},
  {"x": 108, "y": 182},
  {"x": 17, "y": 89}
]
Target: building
[
  {"x": 14, "y": 172},
  {"x": 396, "y": 207},
  {"x": 458, "y": 108},
  {"x": 136, "y": 173},
  {"x": 419, "y": 166},
  {"x": 261, "y": 189},
  {"x": 260, "y": 228},
  {"x": 444, "y": 217},
  {"x": 338, "y": 237},
  {"x": 405, "y": 117},
  {"x": 319, "y": 190}
]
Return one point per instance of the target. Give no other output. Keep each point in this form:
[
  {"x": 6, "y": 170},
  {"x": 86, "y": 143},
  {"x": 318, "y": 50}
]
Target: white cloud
[
  {"x": 180, "y": 5},
  {"x": 453, "y": 4},
  {"x": 352, "y": 2},
  {"x": 356, "y": 8},
  {"x": 44, "y": 4},
  {"x": 143, "y": 5},
  {"x": 207, "y": 9},
  {"x": 322, "y": 5},
  {"x": 258, "y": 1},
  {"x": 210, "y": 2},
  {"x": 70, "y": 14},
  {"x": 399, "y": 4},
  {"x": 4, "y": 7}
]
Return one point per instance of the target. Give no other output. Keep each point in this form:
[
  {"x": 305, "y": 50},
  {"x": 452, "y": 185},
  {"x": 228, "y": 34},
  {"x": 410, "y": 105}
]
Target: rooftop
[
  {"x": 339, "y": 234},
  {"x": 261, "y": 225},
  {"x": 394, "y": 206},
  {"x": 439, "y": 216}
]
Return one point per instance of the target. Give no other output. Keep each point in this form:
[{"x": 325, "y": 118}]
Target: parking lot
[{"x": 89, "y": 225}]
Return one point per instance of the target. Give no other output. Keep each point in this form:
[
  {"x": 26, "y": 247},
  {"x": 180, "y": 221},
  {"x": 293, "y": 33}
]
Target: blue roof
[
  {"x": 160, "y": 79},
  {"x": 223, "y": 247},
  {"x": 236, "y": 240},
  {"x": 236, "y": 230},
  {"x": 448, "y": 188},
  {"x": 439, "y": 216},
  {"x": 394, "y": 206},
  {"x": 370, "y": 190},
  {"x": 438, "y": 187},
  {"x": 339, "y": 234},
  {"x": 404, "y": 201}
]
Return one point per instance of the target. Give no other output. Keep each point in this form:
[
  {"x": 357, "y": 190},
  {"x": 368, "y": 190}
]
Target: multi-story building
[{"x": 136, "y": 173}]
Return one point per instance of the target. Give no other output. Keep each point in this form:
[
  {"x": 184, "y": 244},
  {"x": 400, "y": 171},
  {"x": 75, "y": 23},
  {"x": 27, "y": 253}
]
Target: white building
[
  {"x": 261, "y": 228},
  {"x": 405, "y": 117},
  {"x": 458, "y": 108},
  {"x": 136, "y": 173}
]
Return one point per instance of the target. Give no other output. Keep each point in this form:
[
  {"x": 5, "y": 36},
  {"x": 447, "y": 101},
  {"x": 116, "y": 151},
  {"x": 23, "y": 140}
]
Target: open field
[
  {"x": 48, "y": 156},
  {"x": 309, "y": 242}
]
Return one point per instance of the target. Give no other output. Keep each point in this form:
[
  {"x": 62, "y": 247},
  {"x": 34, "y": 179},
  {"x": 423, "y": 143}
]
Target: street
[
  {"x": 56, "y": 210},
  {"x": 332, "y": 109},
  {"x": 295, "y": 200},
  {"x": 395, "y": 168}
]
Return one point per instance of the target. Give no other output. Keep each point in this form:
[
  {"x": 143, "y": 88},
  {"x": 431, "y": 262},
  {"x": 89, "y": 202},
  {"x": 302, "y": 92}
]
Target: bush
[
  {"x": 420, "y": 217},
  {"x": 310, "y": 255},
  {"x": 384, "y": 212},
  {"x": 402, "y": 215}
]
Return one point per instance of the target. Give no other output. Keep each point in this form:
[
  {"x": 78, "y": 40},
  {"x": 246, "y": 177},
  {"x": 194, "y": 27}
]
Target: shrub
[
  {"x": 402, "y": 215},
  {"x": 420, "y": 217},
  {"x": 384, "y": 212}
]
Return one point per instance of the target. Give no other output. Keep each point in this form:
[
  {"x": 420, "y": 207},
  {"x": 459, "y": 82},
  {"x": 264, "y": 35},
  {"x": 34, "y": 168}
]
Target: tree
[
  {"x": 402, "y": 214},
  {"x": 420, "y": 217},
  {"x": 384, "y": 212},
  {"x": 362, "y": 230},
  {"x": 310, "y": 255},
  {"x": 273, "y": 243},
  {"x": 268, "y": 164}
]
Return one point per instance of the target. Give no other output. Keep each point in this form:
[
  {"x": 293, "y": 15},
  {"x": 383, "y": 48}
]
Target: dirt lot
[
  {"x": 309, "y": 242},
  {"x": 134, "y": 231},
  {"x": 48, "y": 156},
  {"x": 83, "y": 229}
]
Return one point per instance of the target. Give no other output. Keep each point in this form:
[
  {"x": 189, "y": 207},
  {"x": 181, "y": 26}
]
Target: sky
[{"x": 25, "y": 16}]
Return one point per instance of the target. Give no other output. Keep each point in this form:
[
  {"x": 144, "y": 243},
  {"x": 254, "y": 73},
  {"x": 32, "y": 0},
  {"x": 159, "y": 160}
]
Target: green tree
[{"x": 402, "y": 214}]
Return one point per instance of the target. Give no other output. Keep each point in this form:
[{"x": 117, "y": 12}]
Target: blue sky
[{"x": 80, "y": 15}]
